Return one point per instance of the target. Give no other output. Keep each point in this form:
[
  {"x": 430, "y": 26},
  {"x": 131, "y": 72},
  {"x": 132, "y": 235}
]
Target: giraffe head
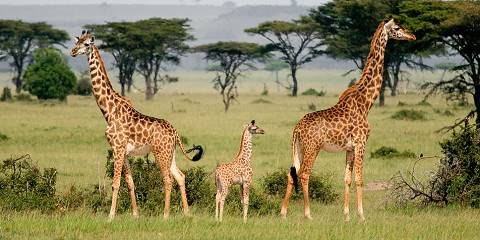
[
  {"x": 397, "y": 32},
  {"x": 254, "y": 129},
  {"x": 83, "y": 44}
]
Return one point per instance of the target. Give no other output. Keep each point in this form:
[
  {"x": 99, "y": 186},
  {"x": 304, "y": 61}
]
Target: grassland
[{"x": 70, "y": 137}]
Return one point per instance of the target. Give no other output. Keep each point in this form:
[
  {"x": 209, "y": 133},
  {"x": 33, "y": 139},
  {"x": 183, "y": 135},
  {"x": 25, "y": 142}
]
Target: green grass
[{"x": 70, "y": 137}]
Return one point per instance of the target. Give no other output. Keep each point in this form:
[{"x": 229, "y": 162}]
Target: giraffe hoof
[
  {"x": 308, "y": 217},
  {"x": 110, "y": 218},
  {"x": 165, "y": 216},
  {"x": 135, "y": 215},
  {"x": 347, "y": 218}
]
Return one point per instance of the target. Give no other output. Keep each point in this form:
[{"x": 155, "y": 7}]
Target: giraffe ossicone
[
  {"x": 131, "y": 133},
  {"x": 343, "y": 127}
]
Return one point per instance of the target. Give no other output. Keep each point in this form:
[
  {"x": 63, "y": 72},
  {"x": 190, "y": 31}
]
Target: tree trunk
[
  {"x": 277, "y": 81},
  {"x": 294, "y": 80},
  {"x": 226, "y": 101},
  {"x": 149, "y": 89},
  {"x": 386, "y": 78},
  {"x": 17, "y": 80},
  {"x": 396, "y": 79},
  {"x": 129, "y": 84},
  {"x": 122, "y": 85}
]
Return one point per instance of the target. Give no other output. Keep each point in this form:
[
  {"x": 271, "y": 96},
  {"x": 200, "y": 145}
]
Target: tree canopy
[
  {"x": 19, "y": 39},
  {"x": 231, "y": 60},
  {"x": 116, "y": 39},
  {"x": 456, "y": 25},
  {"x": 347, "y": 28},
  {"x": 49, "y": 76},
  {"x": 297, "y": 42}
]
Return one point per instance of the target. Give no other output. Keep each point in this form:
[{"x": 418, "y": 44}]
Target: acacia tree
[
  {"x": 297, "y": 42},
  {"x": 158, "y": 43},
  {"x": 117, "y": 40},
  {"x": 230, "y": 59},
  {"x": 348, "y": 26},
  {"x": 19, "y": 39},
  {"x": 456, "y": 25}
]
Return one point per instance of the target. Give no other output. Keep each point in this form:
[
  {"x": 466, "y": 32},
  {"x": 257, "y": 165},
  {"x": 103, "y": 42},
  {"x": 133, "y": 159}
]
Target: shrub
[
  {"x": 261, "y": 101},
  {"x": 402, "y": 104},
  {"x": 199, "y": 185},
  {"x": 3, "y": 137},
  {"x": 23, "y": 97},
  {"x": 320, "y": 186},
  {"x": 24, "y": 187},
  {"x": 456, "y": 180},
  {"x": 313, "y": 92},
  {"x": 312, "y": 107},
  {"x": 390, "y": 152},
  {"x": 424, "y": 103},
  {"x": 446, "y": 113},
  {"x": 84, "y": 85},
  {"x": 411, "y": 114},
  {"x": 49, "y": 76},
  {"x": 6, "y": 95}
]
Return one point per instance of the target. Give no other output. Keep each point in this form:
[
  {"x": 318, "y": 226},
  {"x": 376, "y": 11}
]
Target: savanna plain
[{"x": 70, "y": 137}]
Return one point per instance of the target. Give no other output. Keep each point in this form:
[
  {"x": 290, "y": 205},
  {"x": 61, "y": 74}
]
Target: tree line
[{"x": 339, "y": 29}]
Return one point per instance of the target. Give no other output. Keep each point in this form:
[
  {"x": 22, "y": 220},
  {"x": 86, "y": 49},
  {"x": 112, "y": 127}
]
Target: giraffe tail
[
  {"x": 197, "y": 148},
  {"x": 297, "y": 159}
]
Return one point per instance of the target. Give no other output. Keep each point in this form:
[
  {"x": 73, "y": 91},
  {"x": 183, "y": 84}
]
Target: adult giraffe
[
  {"x": 343, "y": 127},
  {"x": 131, "y": 133}
]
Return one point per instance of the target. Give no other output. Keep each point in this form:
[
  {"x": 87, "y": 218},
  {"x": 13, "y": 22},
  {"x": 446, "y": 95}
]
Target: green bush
[
  {"x": 261, "y": 101},
  {"x": 390, "y": 152},
  {"x": 6, "y": 95},
  {"x": 24, "y": 187},
  {"x": 24, "y": 97},
  {"x": 320, "y": 186},
  {"x": 411, "y": 114},
  {"x": 49, "y": 76},
  {"x": 199, "y": 185},
  {"x": 3, "y": 137},
  {"x": 456, "y": 180},
  {"x": 313, "y": 92},
  {"x": 84, "y": 85}
]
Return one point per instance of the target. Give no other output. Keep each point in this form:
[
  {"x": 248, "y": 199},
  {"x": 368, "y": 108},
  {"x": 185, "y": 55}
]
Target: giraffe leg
[
  {"x": 119, "y": 154},
  {"x": 164, "y": 161},
  {"x": 131, "y": 187},
  {"x": 217, "y": 203},
  {"x": 180, "y": 178},
  {"x": 304, "y": 176},
  {"x": 359, "y": 151},
  {"x": 348, "y": 182},
  {"x": 245, "y": 200},
  {"x": 288, "y": 193},
  {"x": 224, "y": 194}
]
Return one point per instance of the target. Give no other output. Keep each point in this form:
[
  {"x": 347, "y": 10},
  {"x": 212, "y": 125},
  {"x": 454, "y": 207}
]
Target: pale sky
[{"x": 213, "y": 2}]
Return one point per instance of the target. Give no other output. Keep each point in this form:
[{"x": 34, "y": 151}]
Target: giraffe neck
[
  {"x": 245, "y": 153},
  {"x": 370, "y": 82},
  {"x": 101, "y": 85}
]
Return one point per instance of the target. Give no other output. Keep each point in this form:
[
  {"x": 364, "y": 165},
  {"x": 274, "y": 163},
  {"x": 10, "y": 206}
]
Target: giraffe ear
[
  {"x": 253, "y": 122},
  {"x": 92, "y": 39},
  {"x": 77, "y": 39},
  {"x": 83, "y": 32}
]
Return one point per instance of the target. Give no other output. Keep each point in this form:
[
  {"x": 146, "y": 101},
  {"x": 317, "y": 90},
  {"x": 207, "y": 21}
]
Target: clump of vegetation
[
  {"x": 84, "y": 85},
  {"x": 49, "y": 76},
  {"x": 313, "y": 92},
  {"x": 320, "y": 186},
  {"x": 456, "y": 180},
  {"x": 265, "y": 90},
  {"x": 312, "y": 107},
  {"x": 6, "y": 95},
  {"x": 424, "y": 103},
  {"x": 24, "y": 97},
  {"x": 409, "y": 114},
  {"x": 23, "y": 186},
  {"x": 199, "y": 185},
  {"x": 390, "y": 152},
  {"x": 402, "y": 104},
  {"x": 446, "y": 113},
  {"x": 261, "y": 101},
  {"x": 3, "y": 137}
]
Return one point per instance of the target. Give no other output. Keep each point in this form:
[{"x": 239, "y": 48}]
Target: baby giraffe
[{"x": 237, "y": 172}]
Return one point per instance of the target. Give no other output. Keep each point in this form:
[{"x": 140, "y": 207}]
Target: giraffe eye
[{"x": 85, "y": 44}]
